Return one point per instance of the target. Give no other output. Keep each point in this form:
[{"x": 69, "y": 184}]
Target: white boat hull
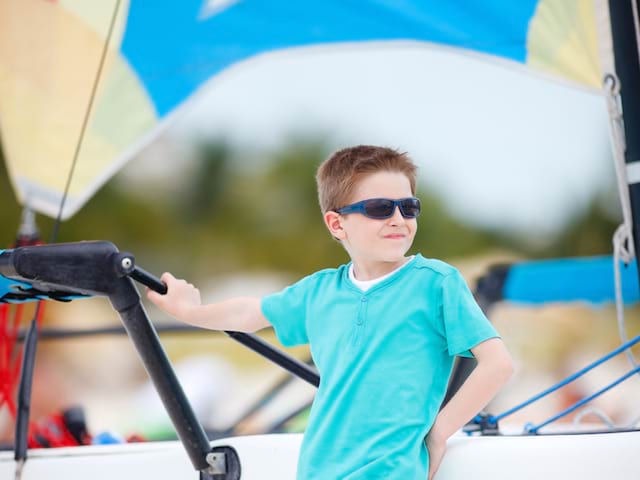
[{"x": 266, "y": 457}]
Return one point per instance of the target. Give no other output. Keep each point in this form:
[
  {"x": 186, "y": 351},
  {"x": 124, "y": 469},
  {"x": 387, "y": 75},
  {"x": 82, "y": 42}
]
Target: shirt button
[{"x": 364, "y": 299}]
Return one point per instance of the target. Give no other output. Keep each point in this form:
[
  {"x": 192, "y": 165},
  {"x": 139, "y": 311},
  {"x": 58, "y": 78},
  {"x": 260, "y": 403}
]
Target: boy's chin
[{"x": 394, "y": 257}]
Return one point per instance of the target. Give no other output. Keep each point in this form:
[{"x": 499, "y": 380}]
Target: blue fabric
[
  {"x": 572, "y": 279},
  {"x": 384, "y": 357},
  {"x": 174, "y": 47},
  {"x": 7, "y": 285}
]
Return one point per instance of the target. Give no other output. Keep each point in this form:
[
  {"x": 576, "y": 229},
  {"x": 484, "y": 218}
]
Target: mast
[{"x": 625, "y": 49}]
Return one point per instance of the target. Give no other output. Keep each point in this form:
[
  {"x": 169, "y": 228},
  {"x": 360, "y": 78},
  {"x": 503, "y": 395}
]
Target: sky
[{"x": 503, "y": 146}]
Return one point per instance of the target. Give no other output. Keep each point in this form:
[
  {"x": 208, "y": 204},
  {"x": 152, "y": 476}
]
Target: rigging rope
[
  {"x": 623, "y": 249},
  {"x": 24, "y": 394},
  {"x": 85, "y": 121},
  {"x": 578, "y": 404},
  {"x": 604, "y": 418},
  {"x": 634, "y": 8},
  {"x": 624, "y": 347}
]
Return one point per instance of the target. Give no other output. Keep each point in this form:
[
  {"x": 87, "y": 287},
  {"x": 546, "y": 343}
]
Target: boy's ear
[{"x": 333, "y": 221}]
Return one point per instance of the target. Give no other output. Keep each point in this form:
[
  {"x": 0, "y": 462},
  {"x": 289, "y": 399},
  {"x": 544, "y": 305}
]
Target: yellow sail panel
[
  {"x": 563, "y": 41},
  {"x": 50, "y": 56}
]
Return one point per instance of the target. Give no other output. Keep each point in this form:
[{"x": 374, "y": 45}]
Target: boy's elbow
[
  {"x": 247, "y": 324},
  {"x": 499, "y": 362},
  {"x": 253, "y": 319},
  {"x": 508, "y": 369},
  {"x": 505, "y": 367},
  {"x": 252, "y": 325},
  {"x": 495, "y": 359},
  {"x": 504, "y": 361}
]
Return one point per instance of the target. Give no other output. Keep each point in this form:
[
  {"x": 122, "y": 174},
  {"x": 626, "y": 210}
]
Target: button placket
[{"x": 360, "y": 320}]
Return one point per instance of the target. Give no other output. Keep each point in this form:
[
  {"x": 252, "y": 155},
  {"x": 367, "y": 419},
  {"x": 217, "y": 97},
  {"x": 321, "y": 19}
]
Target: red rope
[
  {"x": 7, "y": 378},
  {"x": 53, "y": 430},
  {"x": 11, "y": 351}
]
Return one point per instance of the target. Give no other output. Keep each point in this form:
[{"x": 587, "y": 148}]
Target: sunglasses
[{"x": 381, "y": 208}]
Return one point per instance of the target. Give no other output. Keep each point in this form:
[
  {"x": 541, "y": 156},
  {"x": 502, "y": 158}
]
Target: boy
[{"x": 383, "y": 330}]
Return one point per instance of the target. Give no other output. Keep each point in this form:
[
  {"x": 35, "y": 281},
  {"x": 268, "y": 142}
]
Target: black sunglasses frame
[{"x": 404, "y": 204}]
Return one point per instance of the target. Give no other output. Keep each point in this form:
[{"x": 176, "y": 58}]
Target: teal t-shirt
[{"x": 384, "y": 357}]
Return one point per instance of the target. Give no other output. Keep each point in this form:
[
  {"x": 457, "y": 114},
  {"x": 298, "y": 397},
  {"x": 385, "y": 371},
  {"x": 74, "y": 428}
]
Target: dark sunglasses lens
[
  {"x": 378, "y": 208},
  {"x": 410, "y": 207}
]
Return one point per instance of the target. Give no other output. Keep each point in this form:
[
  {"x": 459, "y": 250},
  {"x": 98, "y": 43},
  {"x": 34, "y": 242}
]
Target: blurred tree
[
  {"x": 441, "y": 235},
  {"x": 588, "y": 233},
  {"x": 269, "y": 218},
  {"x": 235, "y": 214},
  {"x": 208, "y": 182}
]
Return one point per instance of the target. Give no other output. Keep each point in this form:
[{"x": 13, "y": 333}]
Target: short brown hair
[{"x": 338, "y": 174}]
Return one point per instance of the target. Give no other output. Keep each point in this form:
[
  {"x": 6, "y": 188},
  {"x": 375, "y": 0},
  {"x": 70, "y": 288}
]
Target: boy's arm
[
  {"x": 182, "y": 301},
  {"x": 492, "y": 372}
]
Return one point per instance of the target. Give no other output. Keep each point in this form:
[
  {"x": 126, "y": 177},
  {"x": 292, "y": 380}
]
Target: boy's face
[{"x": 372, "y": 240}]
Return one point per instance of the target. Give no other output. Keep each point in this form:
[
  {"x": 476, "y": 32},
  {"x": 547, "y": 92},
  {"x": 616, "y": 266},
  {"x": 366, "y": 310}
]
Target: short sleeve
[
  {"x": 464, "y": 322},
  {"x": 286, "y": 311}
]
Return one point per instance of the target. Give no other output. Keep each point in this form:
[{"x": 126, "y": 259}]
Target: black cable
[
  {"x": 30, "y": 346},
  {"x": 85, "y": 123}
]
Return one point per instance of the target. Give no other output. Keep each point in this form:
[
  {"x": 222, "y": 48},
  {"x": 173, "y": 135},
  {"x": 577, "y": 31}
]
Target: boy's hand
[
  {"x": 436, "y": 447},
  {"x": 180, "y": 299}
]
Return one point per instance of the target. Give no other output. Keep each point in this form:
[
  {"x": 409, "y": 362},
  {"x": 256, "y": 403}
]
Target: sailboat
[{"x": 130, "y": 79}]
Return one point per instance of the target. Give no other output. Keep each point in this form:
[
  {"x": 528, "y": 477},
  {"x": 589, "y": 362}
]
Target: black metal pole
[
  {"x": 28, "y": 235},
  {"x": 255, "y": 343},
  {"x": 295, "y": 366},
  {"x": 90, "y": 268},
  {"x": 98, "y": 268},
  {"x": 627, "y": 66},
  {"x": 24, "y": 392},
  {"x": 126, "y": 301}
]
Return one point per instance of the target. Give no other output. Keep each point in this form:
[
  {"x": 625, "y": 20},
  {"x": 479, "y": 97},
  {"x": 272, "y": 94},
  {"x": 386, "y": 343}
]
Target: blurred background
[{"x": 226, "y": 198}]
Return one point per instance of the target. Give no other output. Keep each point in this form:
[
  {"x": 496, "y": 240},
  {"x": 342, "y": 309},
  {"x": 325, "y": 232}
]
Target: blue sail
[
  {"x": 175, "y": 50},
  {"x": 158, "y": 55}
]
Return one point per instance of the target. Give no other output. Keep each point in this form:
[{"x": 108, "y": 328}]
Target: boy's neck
[{"x": 370, "y": 270}]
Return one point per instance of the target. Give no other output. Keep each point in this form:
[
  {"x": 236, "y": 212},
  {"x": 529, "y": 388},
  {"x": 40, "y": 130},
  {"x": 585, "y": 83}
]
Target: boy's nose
[{"x": 396, "y": 218}]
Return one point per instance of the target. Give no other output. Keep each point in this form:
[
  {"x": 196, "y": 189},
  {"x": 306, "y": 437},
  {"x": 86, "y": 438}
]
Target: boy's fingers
[
  {"x": 154, "y": 297},
  {"x": 167, "y": 277}
]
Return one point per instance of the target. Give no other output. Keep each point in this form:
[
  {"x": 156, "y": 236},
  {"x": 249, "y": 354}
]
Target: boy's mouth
[{"x": 395, "y": 236}]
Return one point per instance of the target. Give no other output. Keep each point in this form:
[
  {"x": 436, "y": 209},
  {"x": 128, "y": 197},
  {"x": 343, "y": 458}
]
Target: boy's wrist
[{"x": 187, "y": 314}]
